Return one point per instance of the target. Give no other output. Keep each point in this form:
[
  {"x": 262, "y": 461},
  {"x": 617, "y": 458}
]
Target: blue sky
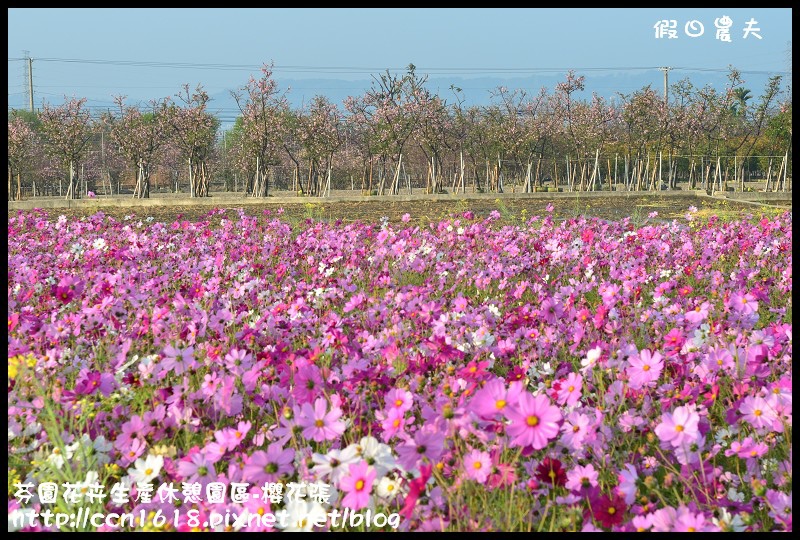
[{"x": 149, "y": 53}]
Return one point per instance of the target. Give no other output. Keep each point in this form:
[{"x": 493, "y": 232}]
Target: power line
[{"x": 366, "y": 69}]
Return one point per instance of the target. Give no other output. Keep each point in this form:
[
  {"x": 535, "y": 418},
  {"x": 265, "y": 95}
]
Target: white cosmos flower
[
  {"x": 376, "y": 454},
  {"x": 145, "y": 470},
  {"x": 32, "y": 429},
  {"x": 58, "y": 458},
  {"x": 729, "y": 523},
  {"x": 591, "y": 358},
  {"x": 388, "y": 488},
  {"x": 334, "y": 464},
  {"x": 302, "y": 515}
]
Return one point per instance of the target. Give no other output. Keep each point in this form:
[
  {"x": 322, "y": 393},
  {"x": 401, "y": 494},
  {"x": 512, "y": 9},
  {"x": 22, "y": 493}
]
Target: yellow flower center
[
  {"x": 500, "y": 403},
  {"x": 477, "y": 465},
  {"x": 757, "y": 412},
  {"x": 148, "y": 472},
  {"x": 319, "y": 423},
  {"x": 533, "y": 420},
  {"x": 398, "y": 402},
  {"x": 679, "y": 428},
  {"x": 612, "y": 510},
  {"x": 359, "y": 485},
  {"x": 396, "y": 422},
  {"x": 571, "y": 389},
  {"x": 645, "y": 368}
]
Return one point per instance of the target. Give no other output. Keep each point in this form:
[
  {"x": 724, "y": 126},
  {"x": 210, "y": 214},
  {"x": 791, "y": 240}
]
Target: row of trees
[{"x": 399, "y": 125}]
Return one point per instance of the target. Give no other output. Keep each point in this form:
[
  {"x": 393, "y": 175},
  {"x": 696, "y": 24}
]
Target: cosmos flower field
[{"x": 468, "y": 374}]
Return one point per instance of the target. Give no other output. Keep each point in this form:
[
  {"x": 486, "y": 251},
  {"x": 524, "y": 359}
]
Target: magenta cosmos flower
[
  {"x": 357, "y": 485},
  {"x": 318, "y": 424},
  {"x": 534, "y": 421}
]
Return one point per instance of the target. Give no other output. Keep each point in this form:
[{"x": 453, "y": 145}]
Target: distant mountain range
[{"x": 475, "y": 91}]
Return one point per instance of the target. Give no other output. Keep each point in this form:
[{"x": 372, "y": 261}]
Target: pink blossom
[
  {"x": 569, "y": 392},
  {"x": 357, "y": 485},
  {"x": 644, "y": 369},
  {"x": 477, "y": 465},
  {"x": 318, "y": 423},
  {"x": 679, "y": 427},
  {"x": 534, "y": 421}
]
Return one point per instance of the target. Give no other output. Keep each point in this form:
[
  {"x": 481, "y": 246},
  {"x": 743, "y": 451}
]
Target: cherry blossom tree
[
  {"x": 389, "y": 109},
  {"x": 262, "y": 132},
  {"x": 67, "y": 130},
  {"x": 321, "y": 135},
  {"x": 194, "y": 130},
  {"x": 432, "y": 132},
  {"x": 138, "y": 137},
  {"x": 22, "y": 143}
]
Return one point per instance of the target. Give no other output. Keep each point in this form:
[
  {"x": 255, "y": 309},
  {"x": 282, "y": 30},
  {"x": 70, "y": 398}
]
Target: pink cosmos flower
[
  {"x": 780, "y": 505},
  {"x": 744, "y": 303},
  {"x": 581, "y": 477},
  {"x": 307, "y": 383},
  {"x": 493, "y": 398},
  {"x": 534, "y": 421},
  {"x": 357, "y": 485},
  {"x": 626, "y": 487},
  {"x": 231, "y": 437},
  {"x": 663, "y": 519},
  {"x": 257, "y": 503},
  {"x": 644, "y": 369},
  {"x": 679, "y": 427},
  {"x": 641, "y": 523},
  {"x": 269, "y": 466},
  {"x": 318, "y": 424},
  {"x": 178, "y": 360},
  {"x": 688, "y": 521},
  {"x": 698, "y": 314},
  {"x": 392, "y": 423},
  {"x": 196, "y": 468},
  {"x": 569, "y": 392},
  {"x": 398, "y": 398},
  {"x": 747, "y": 449},
  {"x": 427, "y": 443},
  {"x": 719, "y": 359},
  {"x": 477, "y": 465},
  {"x": 575, "y": 429},
  {"x": 757, "y": 412}
]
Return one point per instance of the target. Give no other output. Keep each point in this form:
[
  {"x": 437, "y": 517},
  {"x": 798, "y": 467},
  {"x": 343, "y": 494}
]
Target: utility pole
[
  {"x": 30, "y": 81},
  {"x": 666, "y": 84},
  {"x": 29, "y": 69}
]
